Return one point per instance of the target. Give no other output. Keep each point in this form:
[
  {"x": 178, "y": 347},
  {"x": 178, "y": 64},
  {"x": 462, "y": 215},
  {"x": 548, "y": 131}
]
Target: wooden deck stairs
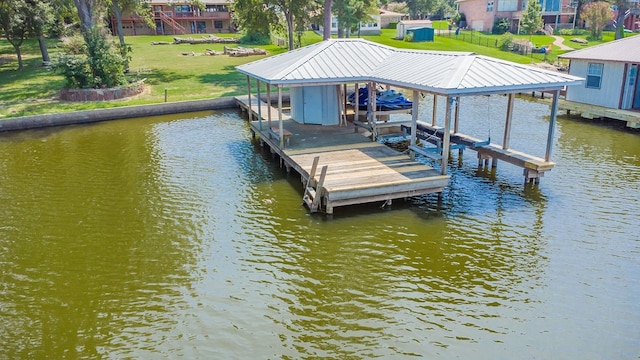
[
  {"x": 313, "y": 190},
  {"x": 177, "y": 28}
]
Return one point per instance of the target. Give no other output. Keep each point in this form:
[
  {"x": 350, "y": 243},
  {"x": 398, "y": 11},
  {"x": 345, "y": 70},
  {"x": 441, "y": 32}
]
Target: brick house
[
  {"x": 482, "y": 14},
  {"x": 175, "y": 17}
]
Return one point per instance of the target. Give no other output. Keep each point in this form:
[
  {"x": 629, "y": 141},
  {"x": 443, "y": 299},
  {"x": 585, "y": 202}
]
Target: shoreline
[{"x": 125, "y": 112}]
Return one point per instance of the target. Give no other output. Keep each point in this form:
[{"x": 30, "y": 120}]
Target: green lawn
[{"x": 34, "y": 90}]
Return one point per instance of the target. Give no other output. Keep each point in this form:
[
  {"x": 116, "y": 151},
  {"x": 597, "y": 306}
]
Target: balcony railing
[{"x": 194, "y": 14}]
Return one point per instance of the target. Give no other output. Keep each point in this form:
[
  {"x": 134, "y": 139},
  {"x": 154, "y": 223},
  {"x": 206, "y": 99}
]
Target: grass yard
[
  {"x": 34, "y": 90},
  {"x": 164, "y": 67}
]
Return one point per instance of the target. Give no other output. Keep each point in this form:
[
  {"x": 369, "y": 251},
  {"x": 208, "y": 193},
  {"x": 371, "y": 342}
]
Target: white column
[
  {"x": 280, "y": 125},
  {"x": 414, "y": 121},
  {"x": 507, "y": 122},
  {"x": 249, "y": 103},
  {"x": 259, "y": 106},
  {"x": 446, "y": 137},
  {"x": 552, "y": 124}
]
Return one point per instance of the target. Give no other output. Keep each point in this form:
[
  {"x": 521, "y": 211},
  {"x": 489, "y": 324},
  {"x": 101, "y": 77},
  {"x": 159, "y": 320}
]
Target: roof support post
[
  {"x": 356, "y": 106},
  {"x": 446, "y": 136},
  {"x": 280, "y": 125},
  {"x": 507, "y": 122},
  {"x": 435, "y": 110},
  {"x": 414, "y": 122},
  {"x": 249, "y": 111},
  {"x": 259, "y": 106},
  {"x": 269, "y": 102},
  {"x": 552, "y": 124},
  {"x": 372, "y": 96},
  {"x": 456, "y": 117}
]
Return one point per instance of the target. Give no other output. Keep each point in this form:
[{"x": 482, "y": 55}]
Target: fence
[{"x": 476, "y": 38}]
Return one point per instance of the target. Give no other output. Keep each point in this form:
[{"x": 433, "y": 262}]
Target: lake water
[{"x": 174, "y": 237}]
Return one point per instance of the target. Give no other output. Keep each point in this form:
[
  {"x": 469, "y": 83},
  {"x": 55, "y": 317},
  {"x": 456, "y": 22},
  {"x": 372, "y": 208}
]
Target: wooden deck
[
  {"x": 588, "y": 111},
  {"x": 533, "y": 167},
  {"x": 357, "y": 169}
]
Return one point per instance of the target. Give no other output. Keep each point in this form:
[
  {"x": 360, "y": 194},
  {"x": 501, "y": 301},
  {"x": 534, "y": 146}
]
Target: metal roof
[
  {"x": 356, "y": 60},
  {"x": 622, "y": 50}
]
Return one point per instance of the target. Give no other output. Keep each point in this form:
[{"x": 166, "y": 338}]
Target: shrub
[
  {"x": 75, "y": 70},
  {"x": 100, "y": 65},
  {"x": 74, "y": 45},
  {"x": 506, "y": 41},
  {"x": 501, "y": 26},
  {"x": 255, "y": 38}
]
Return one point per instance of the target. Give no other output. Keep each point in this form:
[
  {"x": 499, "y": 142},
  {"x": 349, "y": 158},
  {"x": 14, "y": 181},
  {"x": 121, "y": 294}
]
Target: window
[
  {"x": 507, "y": 5},
  {"x": 217, "y": 24},
  {"x": 490, "y": 6},
  {"x": 217, "y": 8},
  {"x": 594, "y": 75}
]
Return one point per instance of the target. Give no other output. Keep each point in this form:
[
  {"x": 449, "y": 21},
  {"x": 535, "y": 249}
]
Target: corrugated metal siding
[{"x": 610, "y": 90}]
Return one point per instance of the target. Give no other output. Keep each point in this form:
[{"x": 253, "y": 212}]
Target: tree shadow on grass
[
  {"x": 157, "y": 77},
  {"x": 228, "y": 78}
]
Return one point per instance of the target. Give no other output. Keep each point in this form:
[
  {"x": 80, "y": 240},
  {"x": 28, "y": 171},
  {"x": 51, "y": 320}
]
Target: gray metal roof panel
[
  {"x": 622, "y": 50},
  {"x": 356, "y": 60}
]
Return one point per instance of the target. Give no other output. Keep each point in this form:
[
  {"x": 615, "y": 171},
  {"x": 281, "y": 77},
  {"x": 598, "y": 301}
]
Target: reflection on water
[{"x": 168, "y": 237}]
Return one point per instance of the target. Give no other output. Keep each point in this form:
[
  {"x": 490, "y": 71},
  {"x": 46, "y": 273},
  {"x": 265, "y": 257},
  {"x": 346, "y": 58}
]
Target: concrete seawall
[{"x": 126, "y": 112}]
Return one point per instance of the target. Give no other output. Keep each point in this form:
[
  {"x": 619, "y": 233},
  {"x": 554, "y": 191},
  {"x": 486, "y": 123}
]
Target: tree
[
  {"x": 14, "y": 25},
  {"x": 326, "y": 30},
  {"x": 294, "y": 11},
  {"x": 622, "y": 8},
  {"x": 103, "y": 65},
  {"x": 596, "y": 15},
  {"x": 86, "y": 10},
  {"x": 532, "y": 18},
  {"x": 255, "y": 18},
  {"x": 39, "y": 17},
  {"x": 418, "y": 8},
  {"x": 351, "y": 13}
]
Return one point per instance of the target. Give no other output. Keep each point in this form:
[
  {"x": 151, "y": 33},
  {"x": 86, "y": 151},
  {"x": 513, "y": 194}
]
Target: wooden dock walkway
[
  {"x": 533, "y": 167},
  {"x": 590, "y": 112},
  {"x": 356, "y": 169}
]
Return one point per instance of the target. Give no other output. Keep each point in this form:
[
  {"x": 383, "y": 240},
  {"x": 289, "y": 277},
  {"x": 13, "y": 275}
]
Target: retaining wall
[
  {"x": 101, "y": 94},
  {"x": 126, "y": 112}
]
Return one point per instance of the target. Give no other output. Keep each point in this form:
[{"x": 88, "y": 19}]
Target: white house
[
  {"x": 611, "y": 71},
  {"x": 369, "y": 28}
]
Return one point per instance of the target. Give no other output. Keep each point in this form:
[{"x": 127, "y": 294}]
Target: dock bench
[{"x": 275, "y": 132}]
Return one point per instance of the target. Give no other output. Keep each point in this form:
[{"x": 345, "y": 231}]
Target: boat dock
[
  {"x": 533, "y": 167},
  {"x": 340, "y": 166}
]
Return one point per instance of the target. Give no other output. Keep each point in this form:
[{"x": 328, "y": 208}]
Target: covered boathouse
[{"x": 315, "y": 134}]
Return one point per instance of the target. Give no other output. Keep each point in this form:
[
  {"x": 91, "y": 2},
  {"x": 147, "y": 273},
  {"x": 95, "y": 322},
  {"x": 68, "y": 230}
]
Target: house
[
  {"x": 611, "y": 71},
  {"x": 389, "y": 17},
  {"x": 372, "y": 27},
  {"x": 404, "y": 25},
  {"x": 180, "y": 17},
  {"x": 482, "y": 14}
]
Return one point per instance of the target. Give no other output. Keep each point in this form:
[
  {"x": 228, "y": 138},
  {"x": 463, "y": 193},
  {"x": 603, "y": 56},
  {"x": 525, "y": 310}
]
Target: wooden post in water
[
  {"x": 269, "y": 107},
  {"x": 280, "y": 125},
  {"x": 414, "y": 121},
  {"x": 552, "y": 124},
  {"x": 456, "y": 121},
  {"x": 259, "y": 106},
  {"x": 435, "y": 109},
  {"x": 446, "y": 136},
  {"x": 249, "y": 111},
  {"x": 507, "y": 122}
]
